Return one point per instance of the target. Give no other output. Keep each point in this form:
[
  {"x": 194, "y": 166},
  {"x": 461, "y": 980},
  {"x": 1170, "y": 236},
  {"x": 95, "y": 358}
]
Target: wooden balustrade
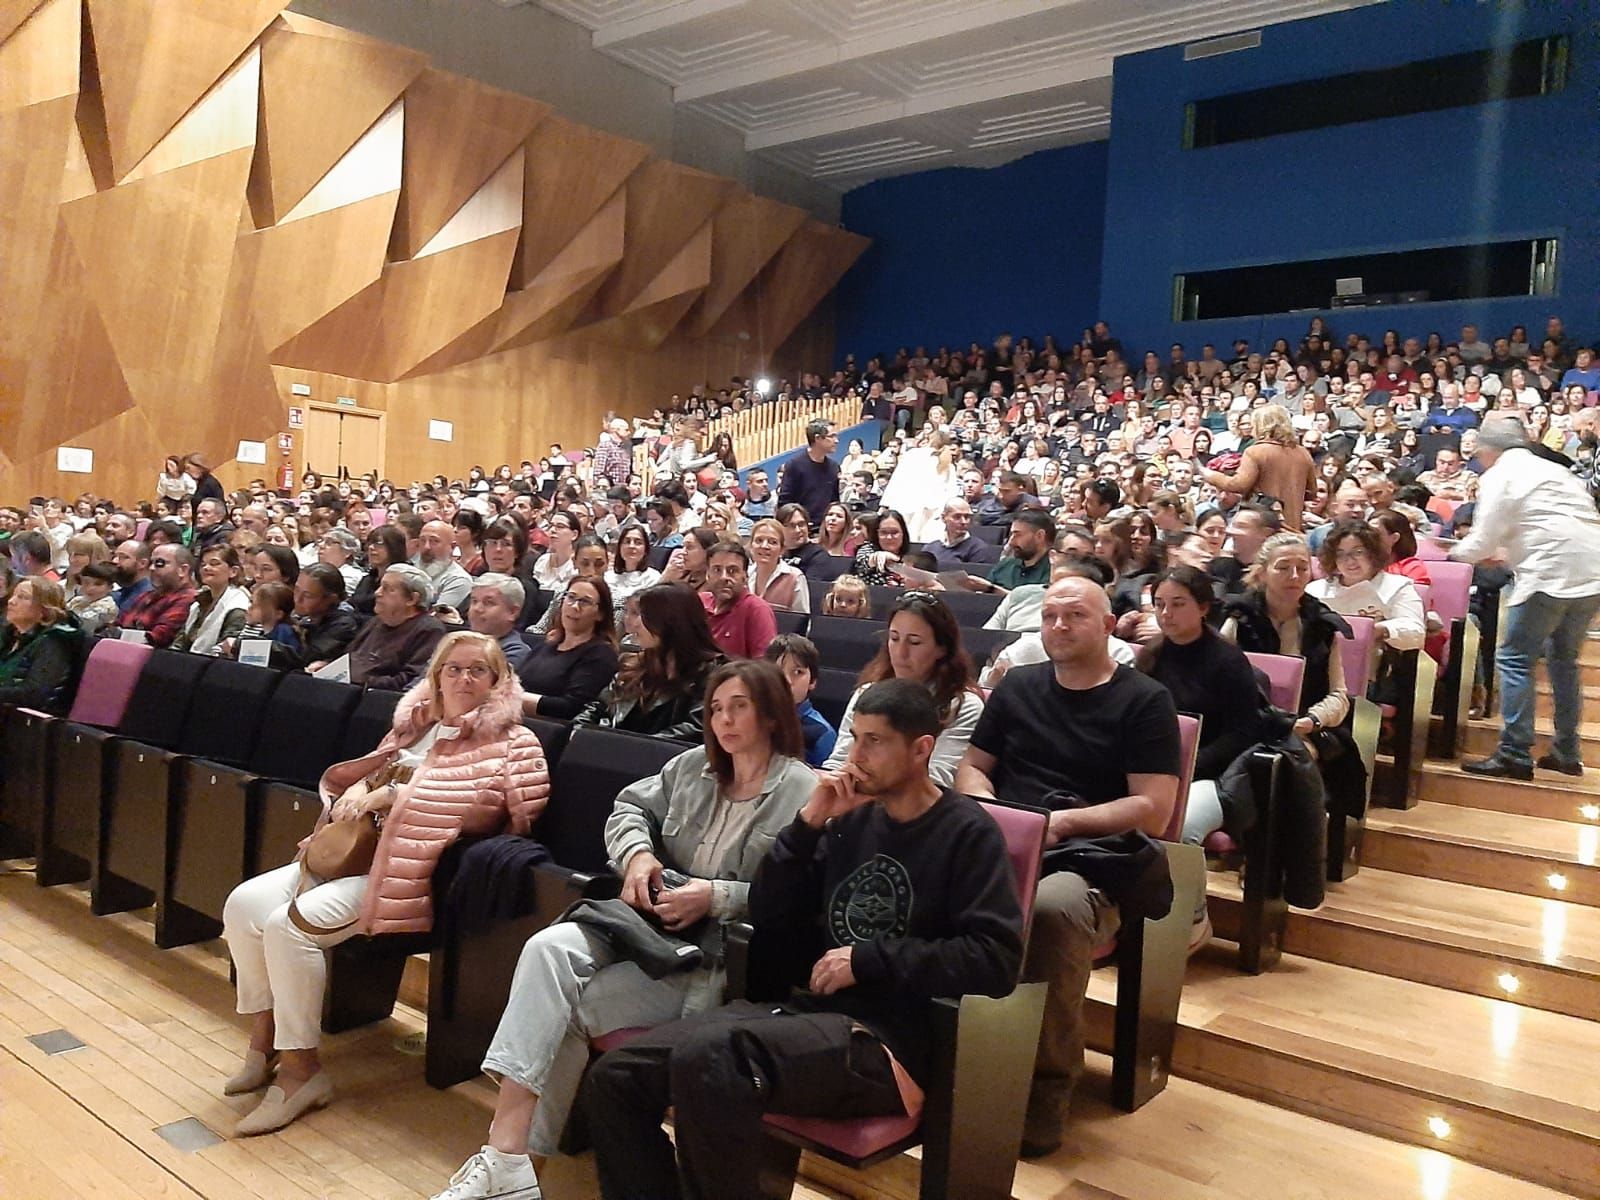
[{"x": 779, "y": 426}]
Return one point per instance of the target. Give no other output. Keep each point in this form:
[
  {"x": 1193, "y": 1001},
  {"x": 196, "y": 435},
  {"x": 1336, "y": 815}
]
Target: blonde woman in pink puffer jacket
[{"x": 461, "y": 763}]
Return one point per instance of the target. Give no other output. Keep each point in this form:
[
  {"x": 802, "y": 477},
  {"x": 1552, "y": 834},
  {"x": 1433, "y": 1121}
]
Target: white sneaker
[{"x": 490, "y": 1174}]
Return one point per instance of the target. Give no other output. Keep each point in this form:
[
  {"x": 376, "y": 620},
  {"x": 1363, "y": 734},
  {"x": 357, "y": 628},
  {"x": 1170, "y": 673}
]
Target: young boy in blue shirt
[{"x": 798, "y": 659}]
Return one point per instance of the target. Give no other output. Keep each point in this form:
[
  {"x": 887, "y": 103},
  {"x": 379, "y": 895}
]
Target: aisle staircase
[{"x": 1448, "y": 995}]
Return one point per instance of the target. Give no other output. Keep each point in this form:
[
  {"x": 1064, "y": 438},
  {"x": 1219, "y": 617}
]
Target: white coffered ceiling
[{"x": 846, "y": 91}]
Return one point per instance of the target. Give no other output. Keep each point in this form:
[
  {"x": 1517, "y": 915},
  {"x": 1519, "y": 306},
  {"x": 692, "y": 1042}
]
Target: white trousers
[
  {"x": 278, "y": 965},
  {"x": 569, "y": 988}
]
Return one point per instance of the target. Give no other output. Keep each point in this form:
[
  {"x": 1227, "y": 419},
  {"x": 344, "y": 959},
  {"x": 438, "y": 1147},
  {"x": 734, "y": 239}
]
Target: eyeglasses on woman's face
[
  {"x": 576, "y": 601},
  {"x": 477, "y": 672}
]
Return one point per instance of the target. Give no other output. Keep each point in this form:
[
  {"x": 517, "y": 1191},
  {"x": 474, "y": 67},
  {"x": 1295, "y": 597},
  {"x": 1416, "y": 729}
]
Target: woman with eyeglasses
[
  {"x": 577, "y": 657},
  {"x": 687, "y": 843},
  {"x": 457, "y": 761},
  {"x": 590, "y": 559},
  {"x": 1354, "y": 583},
  {"x": 555, "y": 566},
  {"x": 923, "y": 644}
]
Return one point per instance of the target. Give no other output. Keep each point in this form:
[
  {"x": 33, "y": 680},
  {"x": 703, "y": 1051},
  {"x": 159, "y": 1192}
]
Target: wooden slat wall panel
[
  {"x": 745, "y": 235},
  {"x": 667, "y": 205},
  {"x": 458, "y": 133},
  {"x": 322, "y": 88},
  {"x": 572, "y": 171},
  {"x": 155, "y": 58},
  {"x": 191, "y": 191}
]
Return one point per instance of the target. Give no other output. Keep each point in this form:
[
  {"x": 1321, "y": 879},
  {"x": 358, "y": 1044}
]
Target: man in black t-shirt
[
  {"x": 1098, "y": 744},
  {"x": 914, "y": 891}
]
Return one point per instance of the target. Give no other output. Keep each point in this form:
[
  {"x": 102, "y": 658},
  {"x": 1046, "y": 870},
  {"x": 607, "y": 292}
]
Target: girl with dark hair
[
  {"x": 923, "y": 645},
  {"x": 1208, "y": 677},
  {"x": 577, "y": 657},
  {"x": 688, "y": 842},
  {"x": 468, "y": 525},
  {"x": 688, "y": 563},
  {"x": 660, "y": 690},
  {"x": 630, "y": 568},
  {"x": 590, "y": 558},
  {"x": 1354, "y": 583}
]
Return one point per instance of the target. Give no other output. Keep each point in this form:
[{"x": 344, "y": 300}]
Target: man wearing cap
[{"x": 1538, "y": 519}]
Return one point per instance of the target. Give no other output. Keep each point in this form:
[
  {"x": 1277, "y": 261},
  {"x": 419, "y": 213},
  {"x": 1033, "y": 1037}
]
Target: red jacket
[{"x": 491, "y": 776}]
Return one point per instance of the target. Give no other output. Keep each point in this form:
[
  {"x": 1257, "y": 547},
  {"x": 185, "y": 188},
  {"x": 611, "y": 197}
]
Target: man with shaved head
[
  {"x": 1095, "y": 742},
  {"x": 436, "y": 548}
]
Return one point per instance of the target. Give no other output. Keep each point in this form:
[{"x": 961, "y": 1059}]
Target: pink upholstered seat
[
  {"x": 863, "y": 1138},
  {"x": 1452, "y": 594},
  {"x": 617, "y": 1037},
  {"x": 1284, "y": 674},
  {"x": 108, "y": 680},
  {"x": 1357, "y": 651},
  {"x": 1430, "y": 551}
]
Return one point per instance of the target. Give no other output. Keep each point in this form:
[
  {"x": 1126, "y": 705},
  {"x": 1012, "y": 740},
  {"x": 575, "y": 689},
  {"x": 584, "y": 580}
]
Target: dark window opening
[
  {"x": 1531, "y": 68},
  {"x": 1477, "y": 272}
]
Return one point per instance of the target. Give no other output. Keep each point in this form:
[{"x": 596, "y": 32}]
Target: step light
[
  {"x": 1439, "y": 1127},
  {"x": 1557, "y": 881},
  {"x": 1589, "y": 812},
  {"x": 1508, "y": 982}
]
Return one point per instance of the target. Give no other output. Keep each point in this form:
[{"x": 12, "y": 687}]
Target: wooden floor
[
  {"x": 160, "y": 1035},
  {"x": 1433, "y": 1032}
]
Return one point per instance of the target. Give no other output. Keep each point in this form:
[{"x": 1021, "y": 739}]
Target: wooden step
[
  {"x": 1483, "y": 736},
  {"x": 1553, "y": 795},
  {"x": 1541, "y": 953},
  {"x": 1546, "y": 703},
  {"x": 1251, "y": 1151},
  {"x": 1490, "y": 1081},
  {"x": 1534, "y": 856}
]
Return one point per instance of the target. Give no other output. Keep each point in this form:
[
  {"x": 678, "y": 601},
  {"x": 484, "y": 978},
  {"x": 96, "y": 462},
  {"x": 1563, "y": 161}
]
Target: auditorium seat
[
  {"x": 970, "y": 1129},
  {"x": 982, "y": 645},
  {"x": 469, "y": 978},
  {"x": 791, "y": 622},
  {"x": 223, "y": 724},
  {"x": 1452, "y": 601},
  {"x": 834, "y": 689},
  {"x": 27, "y": 743},
  {"x": 845, "y": 643},
  {"x": 215, "y": 817},
  {"x": 972, "y": 609},
  {"x": 84, "y": 764}
]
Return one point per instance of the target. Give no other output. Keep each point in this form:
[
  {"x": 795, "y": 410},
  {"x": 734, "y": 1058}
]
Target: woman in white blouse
[
  {"x": 1354, "y": 584},
  {"x": 779, "y": 583}
]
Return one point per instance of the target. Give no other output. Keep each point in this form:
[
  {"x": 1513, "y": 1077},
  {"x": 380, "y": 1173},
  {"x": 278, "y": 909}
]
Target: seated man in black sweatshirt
[
  {"x": 914, "y": 891},
  {"x": 1097, "y": 743}
]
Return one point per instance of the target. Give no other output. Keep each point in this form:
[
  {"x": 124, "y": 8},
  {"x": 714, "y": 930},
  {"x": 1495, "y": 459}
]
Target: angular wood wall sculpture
[{"x": 198, "y": 196}]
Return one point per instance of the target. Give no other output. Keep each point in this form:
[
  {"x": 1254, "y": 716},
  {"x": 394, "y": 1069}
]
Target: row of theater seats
[{"x": 177, "y": 776}]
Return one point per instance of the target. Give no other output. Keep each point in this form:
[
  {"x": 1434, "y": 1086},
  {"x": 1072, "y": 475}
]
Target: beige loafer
[
  {"x": 256, "y": 1073},
  {"x": 277, "y": 1110}
]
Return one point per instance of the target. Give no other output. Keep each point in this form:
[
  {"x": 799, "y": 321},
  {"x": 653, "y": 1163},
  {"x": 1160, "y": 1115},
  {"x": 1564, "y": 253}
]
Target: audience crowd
[{"x": 1139, "y": 521}]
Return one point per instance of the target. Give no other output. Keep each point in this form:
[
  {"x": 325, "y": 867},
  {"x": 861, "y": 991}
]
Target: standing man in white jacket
[{"x": 1536, "y": 517}]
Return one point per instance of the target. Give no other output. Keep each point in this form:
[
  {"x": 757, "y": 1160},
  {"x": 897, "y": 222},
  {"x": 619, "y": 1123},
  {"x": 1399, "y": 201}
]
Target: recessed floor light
[
  {"x": 1439, "y": 1127},
  {"x": 1557, "y": 881},
  {"x": 1508, "y": 982}
]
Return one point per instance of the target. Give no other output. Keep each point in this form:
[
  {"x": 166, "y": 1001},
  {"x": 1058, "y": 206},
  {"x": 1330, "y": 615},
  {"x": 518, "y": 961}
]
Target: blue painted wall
[
  {"x": 963, "y": 254},
  {"x": 1515, "y": 169}
]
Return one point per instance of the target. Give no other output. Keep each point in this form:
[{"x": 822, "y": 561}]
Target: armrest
[
  {"x": 557, "y": 888},
  {"x": 736, "y": 960}
]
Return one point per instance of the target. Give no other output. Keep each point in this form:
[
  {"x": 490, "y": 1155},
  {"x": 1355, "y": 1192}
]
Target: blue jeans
[{"x": 1542, "y": 627}]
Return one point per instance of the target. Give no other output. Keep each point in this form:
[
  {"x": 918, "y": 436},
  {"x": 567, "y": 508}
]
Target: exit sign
[{"x": 347, "y": 402}]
